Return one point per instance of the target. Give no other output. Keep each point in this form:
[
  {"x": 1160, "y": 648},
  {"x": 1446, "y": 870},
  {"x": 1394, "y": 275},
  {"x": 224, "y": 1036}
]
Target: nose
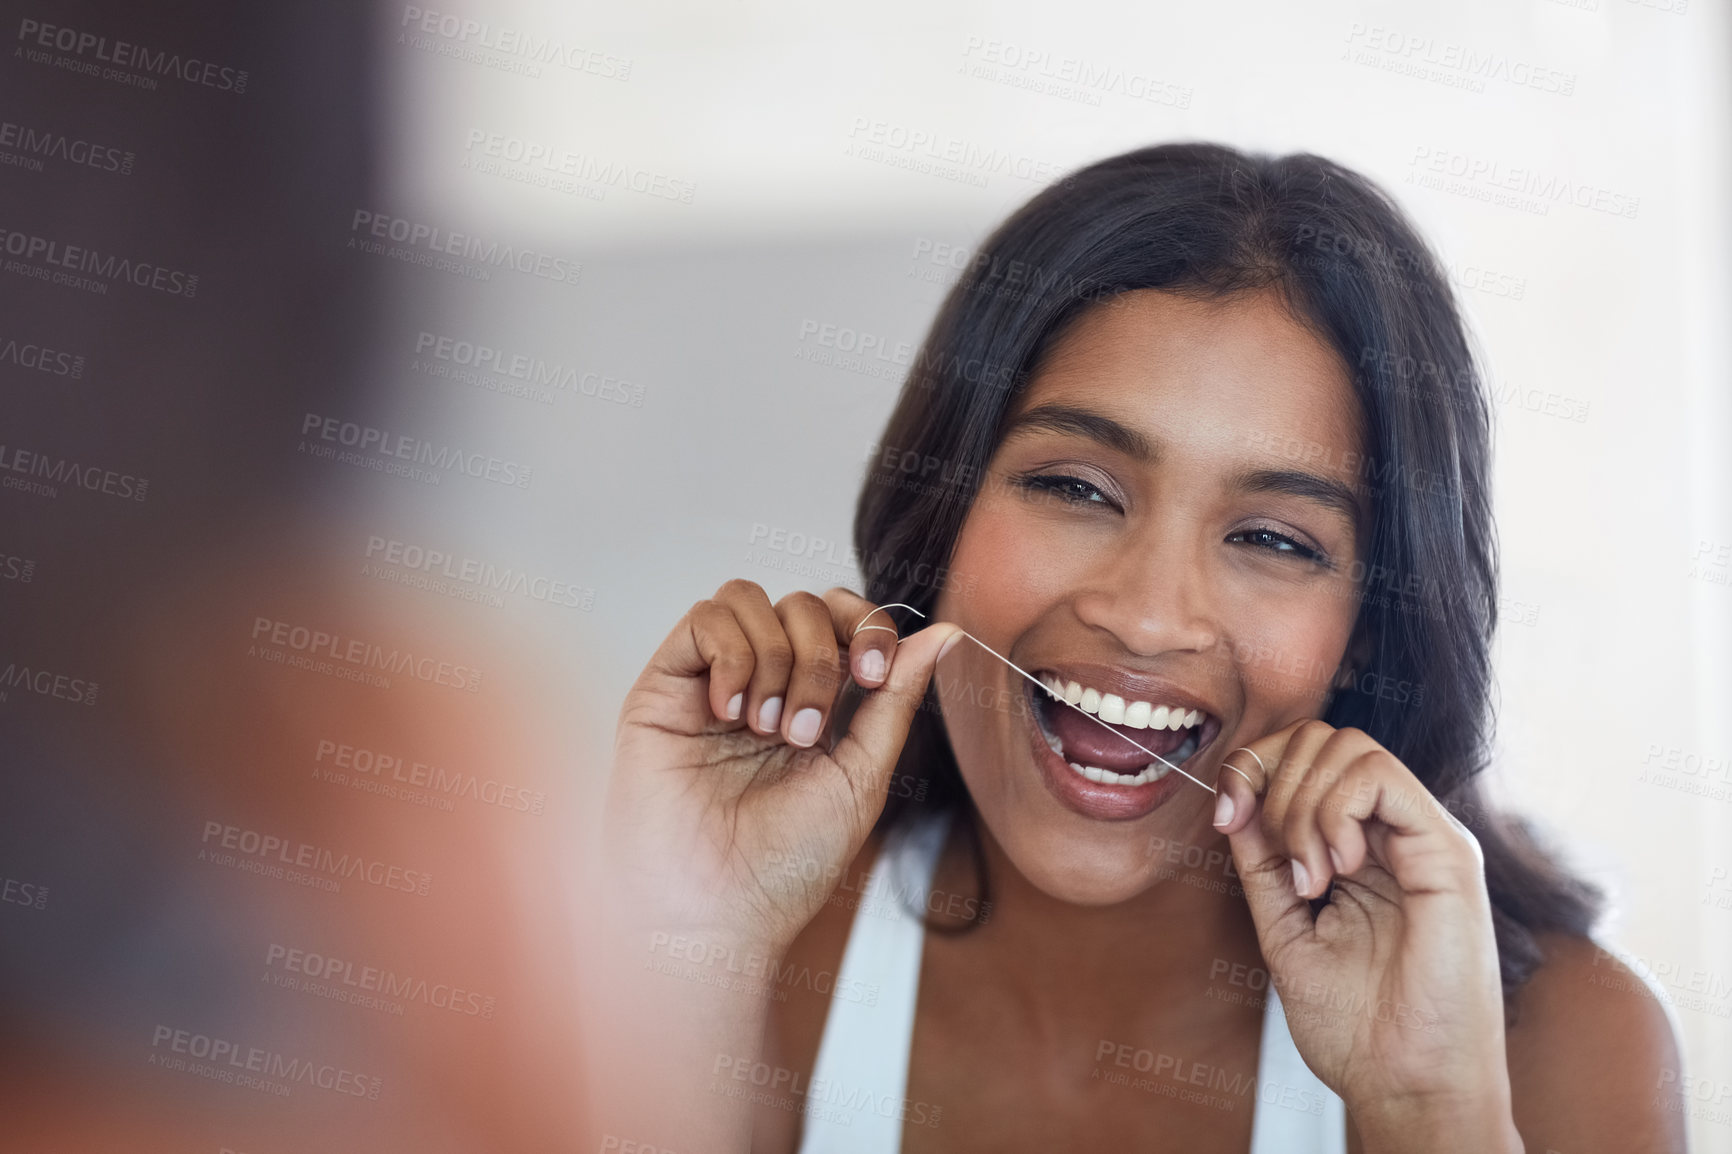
[{"x": 1152, "y": 591}]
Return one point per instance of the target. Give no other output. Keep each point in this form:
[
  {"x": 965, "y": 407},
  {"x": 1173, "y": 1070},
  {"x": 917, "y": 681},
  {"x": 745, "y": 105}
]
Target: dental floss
[{"x": 1104, "y": 725}]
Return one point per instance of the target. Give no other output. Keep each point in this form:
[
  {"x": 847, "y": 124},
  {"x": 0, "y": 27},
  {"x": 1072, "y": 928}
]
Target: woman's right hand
[{"x": 729, "y": 817}]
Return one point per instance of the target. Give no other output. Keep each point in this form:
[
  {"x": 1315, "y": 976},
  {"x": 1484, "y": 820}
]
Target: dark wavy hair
[{"x": 1210, "y": 221}]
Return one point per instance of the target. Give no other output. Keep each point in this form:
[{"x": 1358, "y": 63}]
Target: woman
[{"x": 1222, "y": 880}]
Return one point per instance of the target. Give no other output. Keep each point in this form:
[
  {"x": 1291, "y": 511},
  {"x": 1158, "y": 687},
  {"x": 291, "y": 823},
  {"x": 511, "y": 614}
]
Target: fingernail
[
  {"x": 872, "y": 665},
  {"x": 804, "y": 730},
  {"x": 949, "y": 644},
  {"x": 1223, "y": 808},
  {"x": 770, "y": 713},
  {"x": 1335, "y": 860},
  {"x": 734, "y": 704},
  {"x": 1301, "y": 878}
]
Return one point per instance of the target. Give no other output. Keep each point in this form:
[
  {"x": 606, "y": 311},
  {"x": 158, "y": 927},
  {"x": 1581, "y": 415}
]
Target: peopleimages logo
[
  {"x": 26, "y": 147},
  {"x": 360, "y": 655},
  {"x": 397, "y": 776},
  {"x": 40, "y": 473},
  {"x": 86, "y": 268},
  {"x": 434, "y": 247},
  {"x": 1067, "y": 77},
  {"x": 343, "y": 980},
  {"x": 40, "y": 358},
  {"x": 256, "y": 1068},
  {"x": 26, "y": 678},
  {"x": 369, "y": 447},
  {"x": 528, "y": 47},
  {"x": 37, "y": 36},
  {"x": 268, "y": 852},
  {"x": 1489, "y": 178},
  {"x": 551, "y": 160},
  {"x": 447, "y": 356},
  {"x": 436, "y": 563},
  {"x": 31, "y": 895},
  {"x": 16, "y": 568}
]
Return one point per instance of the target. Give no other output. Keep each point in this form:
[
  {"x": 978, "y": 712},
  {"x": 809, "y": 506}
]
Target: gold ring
[{"x": 881, "y": 608}]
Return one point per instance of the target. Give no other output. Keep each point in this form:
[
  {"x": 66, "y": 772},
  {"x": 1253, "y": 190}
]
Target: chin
[
  {"x": 1083, "y": 883},
  {"x": 1078, "y": 861}
]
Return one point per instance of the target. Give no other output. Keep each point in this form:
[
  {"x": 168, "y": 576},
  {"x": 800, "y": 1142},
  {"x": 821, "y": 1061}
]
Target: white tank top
[{"x": 856, "y": 1098}]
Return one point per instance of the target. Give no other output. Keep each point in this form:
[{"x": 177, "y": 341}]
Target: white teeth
[
  {"x": 1110, "y": 707},
  {"x": 1154, "y": 771}
]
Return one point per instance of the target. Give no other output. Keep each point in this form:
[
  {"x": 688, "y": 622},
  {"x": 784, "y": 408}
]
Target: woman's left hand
[{"x": 1392, "y": 990}]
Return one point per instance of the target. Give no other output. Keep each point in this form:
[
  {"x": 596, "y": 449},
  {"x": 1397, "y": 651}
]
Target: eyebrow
[
  {"x": 1325, "y": 491},
  {"x": 1068, "y": 419},
  {"x": 1084, "y": 423}
]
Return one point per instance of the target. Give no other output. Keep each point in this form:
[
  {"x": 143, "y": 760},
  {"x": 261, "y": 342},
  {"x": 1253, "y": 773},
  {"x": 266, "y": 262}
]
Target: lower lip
[{"x": 1092, "y": 799}]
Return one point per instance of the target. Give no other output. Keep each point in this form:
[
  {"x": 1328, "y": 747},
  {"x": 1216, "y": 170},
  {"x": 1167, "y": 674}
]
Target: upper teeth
[{"x": 1110, "y": 707}]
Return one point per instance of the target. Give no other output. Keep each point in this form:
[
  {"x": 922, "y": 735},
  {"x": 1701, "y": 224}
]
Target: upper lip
[{"x": 1129, "y": 684}]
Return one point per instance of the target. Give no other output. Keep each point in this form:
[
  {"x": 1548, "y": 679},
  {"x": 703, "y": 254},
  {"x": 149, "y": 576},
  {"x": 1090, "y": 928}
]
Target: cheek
[
  {"x": 1287, "y": 653},
  {"x": 999, "y": 589},
  {"x": 1006, "y": 573},
  {"x": 976, "y": 699}
]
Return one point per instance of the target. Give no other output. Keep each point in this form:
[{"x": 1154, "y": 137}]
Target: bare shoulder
[
  {"x": 800, "y": 1002},
  {"x": 1593, "y": 1061}
]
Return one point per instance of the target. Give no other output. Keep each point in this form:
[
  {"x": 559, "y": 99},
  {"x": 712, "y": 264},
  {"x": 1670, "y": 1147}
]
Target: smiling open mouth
[{"x": 1173, "y": 731}]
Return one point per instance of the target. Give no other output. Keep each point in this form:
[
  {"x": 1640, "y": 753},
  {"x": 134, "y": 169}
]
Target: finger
[
  {"x": 1302, "y": 836},
  {"x": 1281, "y": 915},
  {"x": 772, "y": 652},
  {"x": 1302, "y": 747},
  {"x": 1406, "y": 830},
  {"x": 880, "y": 726},
  {"x": 1236, "y": 787},
  {"x": 1341, "y": 816},
  {"x": 816, "y": 676},
  {"x": 707, "y": 640},
  {"x": 869, "y": 636},
  {"x": 1244, "y": 775}
]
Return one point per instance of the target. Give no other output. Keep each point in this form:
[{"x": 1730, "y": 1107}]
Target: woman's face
[{"x": 1173, "y": 517}]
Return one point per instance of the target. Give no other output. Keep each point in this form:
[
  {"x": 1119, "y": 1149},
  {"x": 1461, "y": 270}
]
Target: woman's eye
[
  {"x": 1276, "y": 543},
  {"x": 1073, "y": 490}
]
